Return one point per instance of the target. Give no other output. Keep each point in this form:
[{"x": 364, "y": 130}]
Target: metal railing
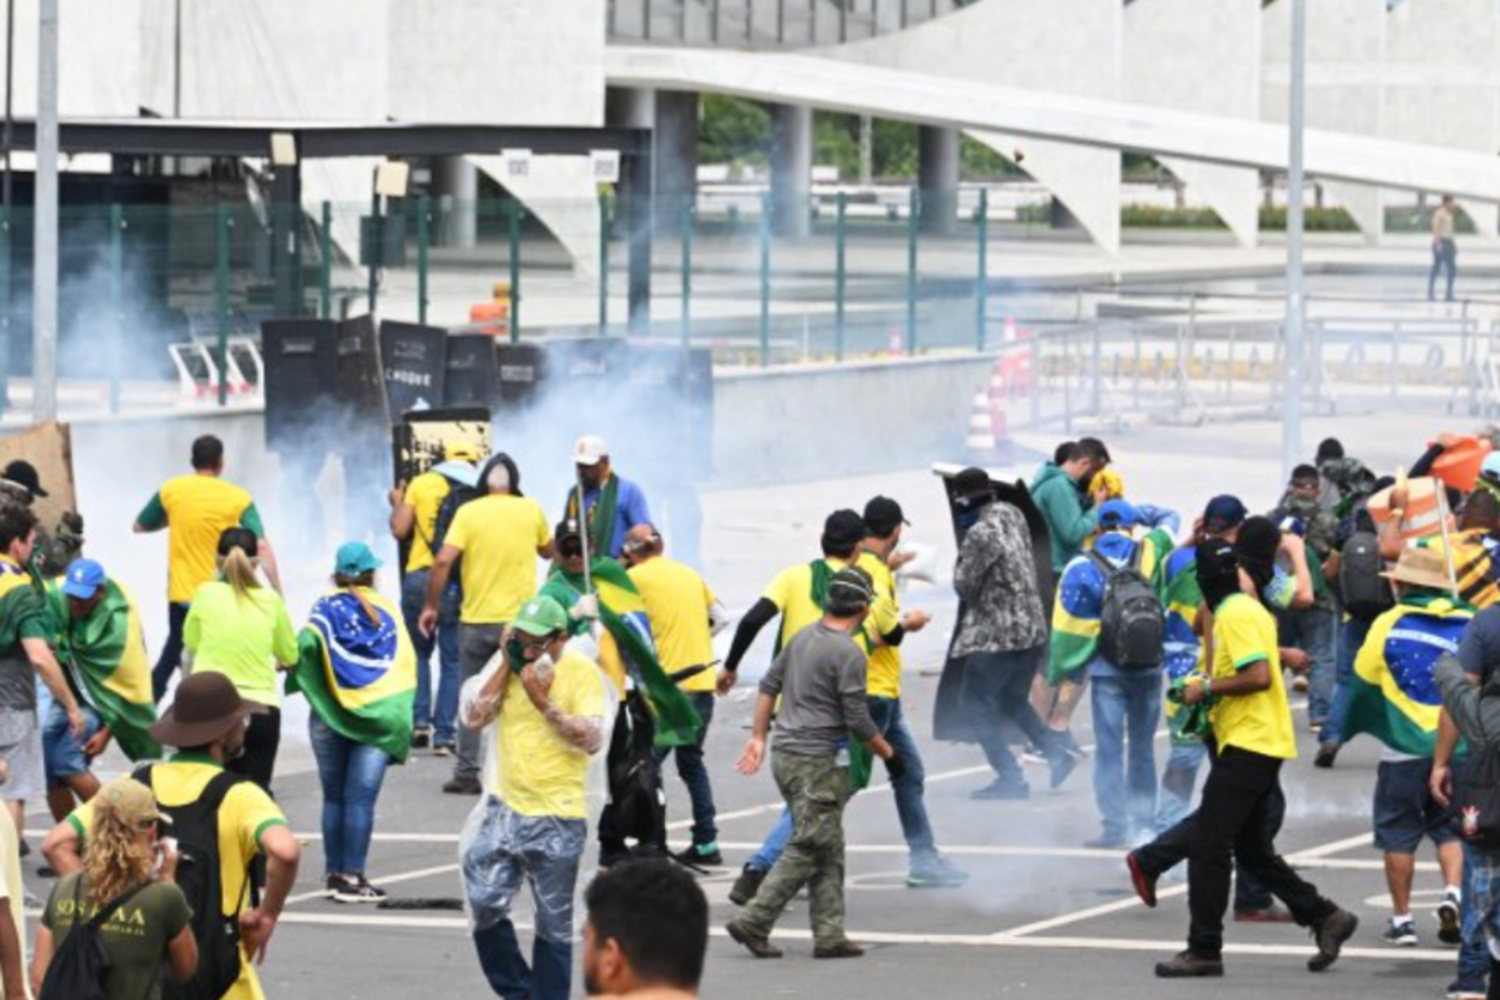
[{"x": 766, "y": 24}]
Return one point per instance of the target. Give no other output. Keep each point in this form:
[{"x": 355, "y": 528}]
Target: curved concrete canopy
[{"x": 967, "y": 104}]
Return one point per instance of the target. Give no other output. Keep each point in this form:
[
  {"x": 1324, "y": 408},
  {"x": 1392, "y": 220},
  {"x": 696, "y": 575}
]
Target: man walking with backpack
[
  {"x": 225, "y": 820},
  {"x": 421, "y": 514},
  {"x": 1108, "y": 620},
  {"x": 499, "y": 536}
]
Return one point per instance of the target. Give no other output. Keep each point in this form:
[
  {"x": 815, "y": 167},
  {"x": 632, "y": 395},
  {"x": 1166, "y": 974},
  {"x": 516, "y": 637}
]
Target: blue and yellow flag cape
[
  {"x": 359, "y": 675},
  {"x": 1392, "y": 693},
  {"x": 623, "y": 614},
  {"x": 1080, "y": 598},
  {"x": 105, "y": 655}
]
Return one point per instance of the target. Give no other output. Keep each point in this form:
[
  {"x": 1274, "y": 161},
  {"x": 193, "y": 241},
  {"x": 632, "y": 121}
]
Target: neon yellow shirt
[
  {"x": 246, "y": 814},
  {"x": 1244, "y": 633},
  {"x": 499, "y": 536},
  {"x": 540, "y": 773},
  {"x": 425, "y": 494},
  {"x": 241, "y": 638},
  {"x": 677, "y": 601},
  {"x": 196, "y": 509}
]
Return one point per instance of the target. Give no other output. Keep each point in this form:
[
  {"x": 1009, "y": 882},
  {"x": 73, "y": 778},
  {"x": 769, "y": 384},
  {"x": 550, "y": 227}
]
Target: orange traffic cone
[{"x": 987, "y": 441}]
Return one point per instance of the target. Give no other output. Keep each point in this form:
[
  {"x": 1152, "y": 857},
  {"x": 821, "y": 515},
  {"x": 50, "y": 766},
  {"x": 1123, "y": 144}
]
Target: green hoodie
[{"x": 1068, "y": 524}]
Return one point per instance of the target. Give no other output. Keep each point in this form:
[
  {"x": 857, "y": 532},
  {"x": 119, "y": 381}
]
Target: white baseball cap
[{"x": 589, "y": 449}]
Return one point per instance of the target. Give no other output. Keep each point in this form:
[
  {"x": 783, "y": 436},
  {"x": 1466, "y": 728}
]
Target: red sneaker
[{"x": 1145, "y": 885}]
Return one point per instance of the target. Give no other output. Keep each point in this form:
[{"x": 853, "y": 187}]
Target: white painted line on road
[
  {"x": 1327, "y": 850},
  {"x": 387, "y": 880},
  {"x": 1169, "y": 948},
  {"x": 373, "y": 920},
  {"x": 988, "y": 850}
]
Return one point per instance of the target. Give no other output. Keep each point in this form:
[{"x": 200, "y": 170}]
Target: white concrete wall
[
  {"x": 1202, "y": 57},
  {"x": 99, "y": 57},
  {"x": 521, "y": 62},
  {"x": 1065, "y": 46},
  {"x": 1346, "y": 41}
]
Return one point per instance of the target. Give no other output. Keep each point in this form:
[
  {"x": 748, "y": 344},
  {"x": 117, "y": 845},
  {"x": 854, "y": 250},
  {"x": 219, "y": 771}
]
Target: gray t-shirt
[{"x": 820, "y": 676}]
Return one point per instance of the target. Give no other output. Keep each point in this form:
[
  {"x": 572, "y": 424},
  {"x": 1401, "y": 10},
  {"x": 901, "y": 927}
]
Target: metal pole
[
  {"x": 913, "y": 217},
  {"x": 603, "y": 264},
  {"x": 981, "y": 284},
  {"x": 325, "y": 263},
  {"x": 687, "y": 268},
  {"x": 513, "y": 228},
  {"x": 765, "y": 279},
  {"x": 424, "y": 219},
  {"x": 840, "y": 277},
  {"x": 44, "y": 265},
  {"x": 1291, "y": 413},
  {"x": 5, "y": 342},
  {"x": 116, "y": 301},
  {"x": 10, "y": 88},
  {"x": 223, "y": 224},
  {"x": 377, "y": 243}
]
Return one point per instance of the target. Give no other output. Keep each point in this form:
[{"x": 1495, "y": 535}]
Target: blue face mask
[{"x": 968, "y": 518}]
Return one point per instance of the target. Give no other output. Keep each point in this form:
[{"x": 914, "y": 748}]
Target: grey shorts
[{"x": 21, "y": 749}]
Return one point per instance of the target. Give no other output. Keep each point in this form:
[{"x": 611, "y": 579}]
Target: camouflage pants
[{"x": 816, "y": 790}]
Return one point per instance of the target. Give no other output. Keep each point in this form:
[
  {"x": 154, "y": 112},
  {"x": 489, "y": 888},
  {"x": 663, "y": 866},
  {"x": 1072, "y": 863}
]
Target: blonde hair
[
  {"x": 352, "y": 586},
  {"x": 238, "y": 570},
  {"x": 117, "y": 857}
]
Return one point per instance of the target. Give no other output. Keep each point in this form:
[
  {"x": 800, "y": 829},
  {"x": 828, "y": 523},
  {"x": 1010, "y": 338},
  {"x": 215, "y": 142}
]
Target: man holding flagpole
[{"x": 612, "y": 505}]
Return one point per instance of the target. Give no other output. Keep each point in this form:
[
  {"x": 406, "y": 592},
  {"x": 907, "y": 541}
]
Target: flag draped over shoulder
[
  {"x": 105, "y": 655},
  {"x": 1392, "y": 693},
  {"x": 360, "y": 676},
  {"x": 623, "y": 614}
]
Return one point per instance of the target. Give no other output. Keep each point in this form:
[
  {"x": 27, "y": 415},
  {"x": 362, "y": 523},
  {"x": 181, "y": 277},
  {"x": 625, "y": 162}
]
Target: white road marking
[{"x": 386, "y": 880}]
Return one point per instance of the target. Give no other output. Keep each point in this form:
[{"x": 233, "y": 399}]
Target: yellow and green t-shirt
[
  {"x": 244, "y": 817},
  {"x": 791, "y": 592},
  {"x": 243, "y": 638},
  {"x": 677, "y": 601},
  {"x": 425, "y": 495},
  {"x": 1244, "y": 633},
  {"x": 540, "y": 773},
  {"x": 196, "y": 509},
  {"x": 885, "y": 615},
  {"x": 499, "y": 536}
]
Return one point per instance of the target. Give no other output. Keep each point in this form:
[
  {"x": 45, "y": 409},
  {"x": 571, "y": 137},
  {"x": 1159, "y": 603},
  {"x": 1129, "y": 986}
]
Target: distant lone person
[{"x": 1444, "y": 250}]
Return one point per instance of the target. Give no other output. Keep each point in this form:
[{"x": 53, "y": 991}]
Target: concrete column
[
  {"x": 634, "y": 108},
  {"x": 675, "y": 141},
  {"x": 456, "y": 190},
  {"x": 791, "y": 169},
  {"x": 937, "y": 177}
]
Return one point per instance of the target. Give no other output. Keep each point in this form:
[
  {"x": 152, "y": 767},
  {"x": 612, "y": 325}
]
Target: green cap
[{"x": 541, "y": 615}]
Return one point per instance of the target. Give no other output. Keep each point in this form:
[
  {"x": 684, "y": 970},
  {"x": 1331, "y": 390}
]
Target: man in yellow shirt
[
  {"x": 196, "y": 509},
  {"x": 415, "y": 522},
  {"x": 884, "y": 522},
  {"x": 207, "y": 723},
  {"x": 685, "y": 616},
  {"x": 1253, "y": 735},
  {"x": 500, "y": 536},
  {"x": 547, "y": 706}
]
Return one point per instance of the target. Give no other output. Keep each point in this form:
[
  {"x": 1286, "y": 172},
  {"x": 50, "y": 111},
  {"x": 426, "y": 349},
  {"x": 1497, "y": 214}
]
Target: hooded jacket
[{"x": 1056, "y": 496}]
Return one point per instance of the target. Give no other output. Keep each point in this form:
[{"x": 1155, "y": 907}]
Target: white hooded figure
[{"x": 546, "y": 711}]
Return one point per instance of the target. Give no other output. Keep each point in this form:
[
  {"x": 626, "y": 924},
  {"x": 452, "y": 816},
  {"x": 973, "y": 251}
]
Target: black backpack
[
  {"x": 196, "y": 827},
  {"x": 1132, "y": 622},
  {"x": 1365, "y": 593},
  {"x": 79, "y": 966},
  {"x": 1476, "y": 802},
  {"x": 458, "y": 495}
]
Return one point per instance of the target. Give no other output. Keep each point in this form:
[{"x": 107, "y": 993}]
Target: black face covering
[
  {"x": 1218, "y": 571},
  {"x": 1259, "y": 541}
]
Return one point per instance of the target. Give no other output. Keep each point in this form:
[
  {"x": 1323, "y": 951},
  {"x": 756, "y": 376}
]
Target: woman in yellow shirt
[{"x": 242, "y": 630}]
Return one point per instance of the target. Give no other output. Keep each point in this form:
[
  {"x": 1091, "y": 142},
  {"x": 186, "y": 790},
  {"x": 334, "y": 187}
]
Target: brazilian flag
[
  {"x": 1392, "y": 694},
  {"x": 623, "y": 614},
  {"x": 105, "y": 655},
  {"x": 358, "y": 673}
]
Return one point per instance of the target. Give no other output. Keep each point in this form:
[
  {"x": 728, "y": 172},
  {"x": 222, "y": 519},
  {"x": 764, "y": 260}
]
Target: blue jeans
[
  {"x": 1126, "y": 708},
  {"x": 774, "y": 845},
  {"x": 506, "y": 851},
  {"x": 1351, "y": 637},
  {"x": 62, "y": 752},
  {"x": 1315, "y": 632},
  {"x": 1178, "y": 779},
  {"x": 915, "y": 827},
  {"x": 351, "y": 774},
  {"x": 694, "y": 774},
  {"x": 1481, "y": 872},
  {"x": 171, "y": 651},
  {"x": 443, "y": 721}
]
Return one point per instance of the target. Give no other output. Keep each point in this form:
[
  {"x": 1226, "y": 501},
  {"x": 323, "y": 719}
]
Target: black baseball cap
[
  {"x": 844, "y": 529},
  {"x": 23, "y": 473},
  {"x": 883, "y": 515}
]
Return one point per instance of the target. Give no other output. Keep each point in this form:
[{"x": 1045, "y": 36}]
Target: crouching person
[{"x": 544, "y": 712}]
